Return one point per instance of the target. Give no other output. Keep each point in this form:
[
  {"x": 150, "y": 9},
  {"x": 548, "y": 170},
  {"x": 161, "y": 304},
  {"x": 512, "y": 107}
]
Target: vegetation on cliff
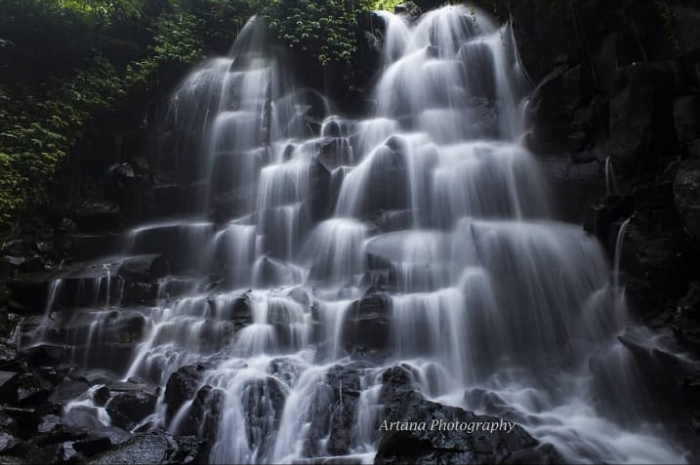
[{"x": 67, "y": 61}]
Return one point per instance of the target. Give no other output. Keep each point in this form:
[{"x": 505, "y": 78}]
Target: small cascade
[
  {"x": 619, "y": 244},
  {"x": 319, "y": 252}
]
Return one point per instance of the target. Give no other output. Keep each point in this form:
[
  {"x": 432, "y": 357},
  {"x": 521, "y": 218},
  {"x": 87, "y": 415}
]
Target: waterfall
[{"x": 419, "y": 235}]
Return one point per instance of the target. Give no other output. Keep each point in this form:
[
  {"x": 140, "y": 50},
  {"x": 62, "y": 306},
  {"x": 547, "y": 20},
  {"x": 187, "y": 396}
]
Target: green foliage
[
  {"x": 668, "y": 18},
  {"x": 326, "y": 27},
  {"x": 36, "y": 132},
  {"x": 66, "y": 61},
  {"x": 386, "y": 5}
]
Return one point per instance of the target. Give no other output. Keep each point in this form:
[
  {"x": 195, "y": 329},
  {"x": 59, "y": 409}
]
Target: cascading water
[{"x": 429, "y": 206}]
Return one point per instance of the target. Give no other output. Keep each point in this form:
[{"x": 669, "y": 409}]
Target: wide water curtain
[{"x": 311, "y": 252}]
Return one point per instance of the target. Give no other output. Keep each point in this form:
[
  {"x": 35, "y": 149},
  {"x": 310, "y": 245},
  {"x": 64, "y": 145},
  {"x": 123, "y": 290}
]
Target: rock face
[
  {"x": 615, "y": 115},
  {"x": 686, "y": 193},
  {"x": 181, "y": 387},
  {"x": 128, "y": 404}
]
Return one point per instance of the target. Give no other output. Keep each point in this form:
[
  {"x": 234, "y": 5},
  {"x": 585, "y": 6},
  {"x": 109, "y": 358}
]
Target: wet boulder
[
  {"x": 397, "y": 379},
  {"x": 96, "y": 214},
  {"x": 25, "y": 389},
  {"x": 334, "y": 152},
  {"x": 409, "y": 10},
  {"x": 181, "y": 387},
  {"x": 368, "y": 323},
  {"x": 128, "y": 404},
  {"x": 138, "y": 269},
  {"x": 189, "y": 450},
  {"x": 82, "y": 416},
  {"x": 321, "y": 200},
  {"x": 345, "y": 381},
  {"x": 435, "y": 433},
  {"x": 263, "y": 404},
  {"x": 204, "y": 418},
  {"x": 100, "y": 439},
  {"x": 145, "y": 448},
  {"x": 7, "y": 440},
  {"x": 285, "y": 369},
  {"x": 139, "y": 293},
  {"x": 67, "y": 391}
]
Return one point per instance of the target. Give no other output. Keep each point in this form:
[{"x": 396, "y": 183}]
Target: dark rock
[
  {"x": 30, "y": 292},
  {"x": 52, "y": 453},
  {"x": 146, "y": 448},
  {"x": 641, "y": 120},
  {"x": 82, "y": 417},
  {"x": 139, "y": 293},
  {"x": 115, "y": 435},
  {"x": 556, "y": 102},
  {"x": 263, "y": 404},
  {"x": 686, "y": 193},
  {"x": 334, "y": 152},
  {"x": 91, "y": 246},
  {"x": 181, "y": 387},
  {"x": 140, "y": 165},
  {"x": 345, "y": 381},
  {"x": 189, "y": 450},
  {"x": 25, "y": 388},
  {"x": 10, "y": 460},
  {"x": 204, "y": 417},
  {"x": 7, "y": 440},
  {"x": 600, "y": 217},
  {"x": 691, "y": 301},
  {"x": 137, "y": 269},
  {"x": 398, "y": 378},
  {"x": 285, "y": 369},
  {"x": 125, "y": 170},
  {"x": 94, "y": 214},
  {"x": 321, "y": 201},
  {"x": 129, "y": 404},
  {"x": 67, "y": 225},
  {"x": 6, "y": 376},
  {"x": 499, "y": 444},
  {"x": 410, "y": 10},
  {"x": 68, "y": 391},
  {"x": 686, "y": 114},
  {"x": 101, "y": 439},
  {"x": 49, "y": 424},
  {"x": 643, "y": 299},
  {"x": 47, "y": 355},
  {"x": 130, "y": 328},
  {"x": 654, "y": 251},
  {"x": 160, "y": 268},
  {"x": 230, "y": 204},
  {"x": 368, "y": 323},
  {"x": 576, "y": 183}
]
